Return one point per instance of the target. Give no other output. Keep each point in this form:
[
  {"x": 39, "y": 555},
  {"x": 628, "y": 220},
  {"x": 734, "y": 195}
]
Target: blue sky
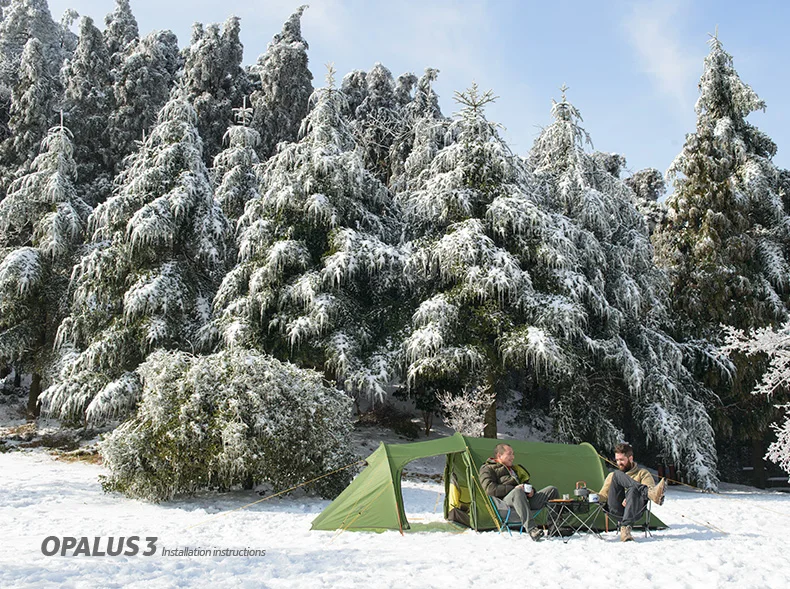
[{"x": 632, "y": 66}]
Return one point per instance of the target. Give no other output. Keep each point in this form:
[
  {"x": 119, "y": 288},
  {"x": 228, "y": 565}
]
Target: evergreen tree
[
  {"x": 421, "y": 110},
  {"x": 147, "y": 281},
  {"x": 232, "y": 418},
  {"x": 316, "y": 272},
  {"x": 378, "y": 118},
  {"x": 32, "y": 111},
  {"x": 88, "y": 103},
  {"x": 354, "y": 88},
  {"x": 24, "y": 20},
  {"x": 215, "y": 80},
  {"x": 649, "y": 186},
  {"x": 459, "y": 200},
  {"x": 120, "y": 31},
  {"x": 141, "y": 87},
  {"x": 725, "y": 241},
  {"x": 624, "y": 365},
  {"x": 286, "y": 86},
  {"x": 41, "y": 225},
  {"x": 234, "y": 168}
]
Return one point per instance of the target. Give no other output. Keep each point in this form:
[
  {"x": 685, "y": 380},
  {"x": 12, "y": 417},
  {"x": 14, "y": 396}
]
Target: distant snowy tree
[
  {"x": 24, "y": 20},
  {"x": 141, "y": 87},
  {"x": 317, "y": 270},
  {"x": 214, "y": 78},
  {"x": 421, "y": 110},
  {"x": 32, "y": 111},
  {"x": 378, "y": 120},
  {"x": 41, "y": 224},
  {"x": 776, "y": 379},
  {"x": 286, "y": 86},
  {"x": 234, "y": 168},
  {"x": 649, "y": 186},
  {"x": 622, "y": 361},
  {"x": 236, "y": 418},
  {"x": 354, "y": 88},
  {"x": 725, "y": 240},
  {"x": 120, "y": 31},
  {"x": 88, "y": 101},
  {"x": 148, "y": 278}
]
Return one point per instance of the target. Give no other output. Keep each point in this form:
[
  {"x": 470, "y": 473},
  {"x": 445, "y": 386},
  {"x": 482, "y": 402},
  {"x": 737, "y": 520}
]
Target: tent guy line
[{"x": 223, "y": 513}]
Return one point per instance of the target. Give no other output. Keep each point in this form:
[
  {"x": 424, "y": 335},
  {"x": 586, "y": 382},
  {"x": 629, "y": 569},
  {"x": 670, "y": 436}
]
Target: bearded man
[{"x": 627, "y": 490}]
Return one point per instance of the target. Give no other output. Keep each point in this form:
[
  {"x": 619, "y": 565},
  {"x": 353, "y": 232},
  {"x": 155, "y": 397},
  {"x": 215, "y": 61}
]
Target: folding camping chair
[
  {"x": 645, "y": 513},
  {"x": 505, "y": 523}
]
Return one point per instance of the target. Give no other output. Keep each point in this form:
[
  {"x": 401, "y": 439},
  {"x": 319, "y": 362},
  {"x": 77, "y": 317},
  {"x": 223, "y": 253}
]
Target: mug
[
  {"x": 592, "y": 498},
  {"x": 566, "y": 496},
  {"x": 527, "y": 488}
]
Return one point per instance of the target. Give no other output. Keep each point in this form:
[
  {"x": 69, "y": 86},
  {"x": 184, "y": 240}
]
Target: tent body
[{"x": 374, "y": 502}]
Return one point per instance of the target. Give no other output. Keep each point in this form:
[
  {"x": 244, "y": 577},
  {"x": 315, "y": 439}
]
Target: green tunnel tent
[{"x": 374, "y": 502}]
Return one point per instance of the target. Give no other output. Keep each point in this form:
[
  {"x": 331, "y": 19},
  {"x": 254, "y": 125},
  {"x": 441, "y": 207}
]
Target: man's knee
[
  {"x": 622, "y": 479},
  {"x": 516, "y": 494},
  {"x": 552, "y": 492}
]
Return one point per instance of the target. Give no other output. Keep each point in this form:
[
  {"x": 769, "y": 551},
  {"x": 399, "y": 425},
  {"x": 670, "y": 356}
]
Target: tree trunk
[
  {"x": 32, "y": 399},
  {"x": 758, "y": 463},
  {"x": 427, "y": 420},
  {"x": 489, "y": 428}
]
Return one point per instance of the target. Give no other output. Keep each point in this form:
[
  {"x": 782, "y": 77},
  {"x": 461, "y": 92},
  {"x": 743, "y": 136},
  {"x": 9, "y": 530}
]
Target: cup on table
[
  {"x": 527, "y": 488},
  {"x": 566, "y": 496}
]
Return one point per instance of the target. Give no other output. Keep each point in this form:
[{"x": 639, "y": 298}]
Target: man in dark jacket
[{"x": 506, "y": 484}]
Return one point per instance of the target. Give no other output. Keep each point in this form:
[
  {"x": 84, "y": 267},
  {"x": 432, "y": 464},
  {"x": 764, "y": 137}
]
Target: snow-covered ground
[{"x": 41, "y": 497}]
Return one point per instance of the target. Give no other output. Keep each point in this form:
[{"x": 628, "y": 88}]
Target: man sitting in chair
[
  {"x": 627, "y": 490},
  {"x": 505, "y": 483}
]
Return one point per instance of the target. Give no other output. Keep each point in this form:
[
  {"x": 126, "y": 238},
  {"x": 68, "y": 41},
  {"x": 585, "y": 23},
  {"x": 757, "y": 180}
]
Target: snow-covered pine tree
[
  {"x": 41, "y": 224},
  {"x": 463, "y": 203},
  {"x": 120, "y": 30},
  {"x": 88, "y": 102},
  {"x": 649, "y": 186},
  {"x": 355, "y": 88},
  {"x": 24, "y": 20},
  {"x": 624, "y": 366},
  {"x": 31, "y": 113},
  {"x": 725, "y": 241},
  {"x": 215, "y": 80},
  {"x": 286, "y": 87},
  {"x": 377, "y": 120},
  {"x": 421, "y": 110},
  {"x": 317, "y": 277},
  {"x": 141, "y": 87},
  {"x": 230, "y": 419},
  {"x": 234, "y": 168},
  {"x": 149, "y": 276}
]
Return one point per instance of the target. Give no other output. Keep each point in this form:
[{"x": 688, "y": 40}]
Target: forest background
[{"x": 220, "y": 258}]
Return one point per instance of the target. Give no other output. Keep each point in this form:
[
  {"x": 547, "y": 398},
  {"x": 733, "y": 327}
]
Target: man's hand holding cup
[{"x": 528, "y": 489}]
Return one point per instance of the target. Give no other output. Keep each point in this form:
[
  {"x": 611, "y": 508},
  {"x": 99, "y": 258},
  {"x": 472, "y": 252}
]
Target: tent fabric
[{"x": 373, "y": 501}]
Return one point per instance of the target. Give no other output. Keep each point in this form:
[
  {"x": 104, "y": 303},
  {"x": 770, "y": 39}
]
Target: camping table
[{"x": 578, "y": 515}]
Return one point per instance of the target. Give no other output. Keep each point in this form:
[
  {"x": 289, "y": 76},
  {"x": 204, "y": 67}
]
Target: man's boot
[
  {"x": 625, "y": 534},
  {"x": 656, "y": 494}
]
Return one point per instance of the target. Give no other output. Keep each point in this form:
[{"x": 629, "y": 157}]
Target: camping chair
[
  {"x": 504, "y": 522},
  {"x": 645, "y": 513}
]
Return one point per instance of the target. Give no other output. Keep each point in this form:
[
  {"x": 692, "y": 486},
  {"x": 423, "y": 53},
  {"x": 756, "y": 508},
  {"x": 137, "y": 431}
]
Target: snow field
[{"x": 41, "y": 497}]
